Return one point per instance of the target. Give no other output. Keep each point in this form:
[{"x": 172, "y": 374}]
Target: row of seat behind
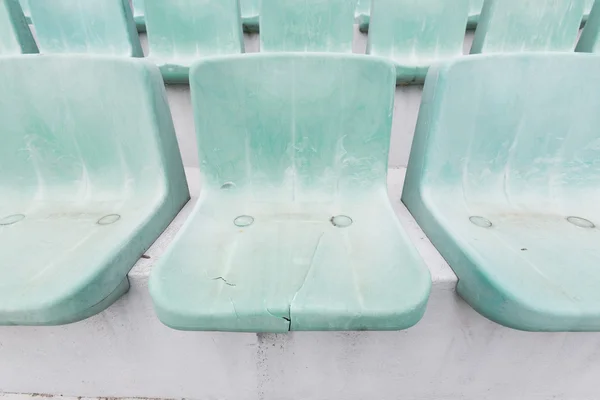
[{"x": 414, "y": 35}]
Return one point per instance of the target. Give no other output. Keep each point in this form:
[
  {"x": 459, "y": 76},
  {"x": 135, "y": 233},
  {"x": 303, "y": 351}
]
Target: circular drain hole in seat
[
  {"x": 243, "y": 220},
  {"x": 341, "y": 221},
  {"x": 109, "y": 219},
  {"x": 480, "y": 221},
  {"x": 12, "y": 219},
  {"x": 581, "y": 222}
]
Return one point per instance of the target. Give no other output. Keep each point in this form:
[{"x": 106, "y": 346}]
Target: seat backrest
[
  {"x": 518, "y": 25},
  {"x": 589, "y": 41},
  {"x": 502, "y": 128},
  {"x": 15, "y": 36},
  {"x": 84, "y": 128},
  {"x": 188, "y": 29},
  {"x": 90, "y": 26},
  {"x": 292, "y": 127},
  {"x": 308, "y": 25},
  {"x": 417, "y": 33}
]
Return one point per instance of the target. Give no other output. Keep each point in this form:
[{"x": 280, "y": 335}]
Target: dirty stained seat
[
  {"x": 90, "y": 175},
  {"x": 103, "y": 27},
  {"x": 506, "y": 183},
  {"x": 15, "y": 36},
  {"x": 183, "y": 31},
  {"x": 294, "y": 229}
]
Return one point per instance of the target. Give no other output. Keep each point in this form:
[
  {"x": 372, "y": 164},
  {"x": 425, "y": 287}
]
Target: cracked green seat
[
  {"x": 589, "y": 40},
  {"x": 15, "y": 36},
  {"x": 249, "y": 12},
  {"x": 504, "y": 181},
  {"x": 90, "y": 175},
  {"x": 415, "y": 35},
  {"x": 182, "y": 31},
  {"x": 294, "y": 229},
  {"x": 102, "y": 27},
  {"x": 516, "y": 25},
  {"x": 309, "y": 25},
  {"x": 362, "y": 14},
  {"x": 138, "y": 15}
]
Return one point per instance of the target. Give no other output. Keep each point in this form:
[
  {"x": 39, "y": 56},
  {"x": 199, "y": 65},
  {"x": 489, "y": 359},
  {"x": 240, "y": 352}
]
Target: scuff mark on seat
[{"x": 224, "y": 280}]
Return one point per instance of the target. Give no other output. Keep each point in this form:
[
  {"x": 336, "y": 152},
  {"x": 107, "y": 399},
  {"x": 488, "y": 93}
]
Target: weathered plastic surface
[
  {"x": 294, "y": 229},
  {"x": 138, "y": 15},
  {"x": 25, "y": 8},
  {"x": 90, "y": 175},
  {"x": 102, "y": 27},
  {"x": 416, "y": 34},
  {"x": 589, "y": 41},
  {"x": 516, "y": 25},
  {"x": 504, "y": 181},
  {"x": 182, "y": 31},
  {"x": 249, "y": 10},
  {"x": 475, "y": 12},
  {"x": 15, "y": 36},
  {"x": 362, "y": 14},
  {"x": 309, "y": 25}
]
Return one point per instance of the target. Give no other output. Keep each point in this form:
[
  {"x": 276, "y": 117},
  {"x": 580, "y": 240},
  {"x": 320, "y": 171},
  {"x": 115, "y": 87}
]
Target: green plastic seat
[
  {"x": 182, "y": 31},
  {"x": 587, "y": 9},
  {"x": 102, "y": 27},
  {"x": 474, "y": 13},
  {"x": 589, "y": 41},
  {"x": 249, "y": 11},
  {"x": 25, "y": 8},
  {"x": 90, "y": 175},
  {"x": 294, "y": 229},
  {"x": 309, "y": 25},
  {"x": 138, "y": 15},
  {"x": 15, "y": 36},
  {"x": 362, "y": 14},
  {"x": 516, "y": 25},
  {"x": 504, "y": 181},
  {"x": 416, "y": 34}
]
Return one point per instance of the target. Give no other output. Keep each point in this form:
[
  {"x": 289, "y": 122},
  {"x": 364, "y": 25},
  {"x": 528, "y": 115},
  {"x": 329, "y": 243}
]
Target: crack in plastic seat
[
  {"x": 515, "y": 25},
  {"x": 310, "y": 25},
  {"x": 138, "y": 15},
  {"x": 590, "y": 36},
  {"x": 90, "y": 175},
  {"x": 182, "y": 31},
  {"x": 416, "y": 34},
  {"x": 294, "y": 229},
  {"x": 15, "y": 36},
  {"x": 505, "y": 182},
  {"x": 249, "y": 12},
  {"x": 25, "y": 8},
  {"x": 102, "y": 27}
]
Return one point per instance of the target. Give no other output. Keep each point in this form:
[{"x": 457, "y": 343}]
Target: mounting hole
[
  {"x": 227, "y": 186},
  {"x": 109, "y": 219},
  {"x": 581, "y": 222},
  {"x": 480, "y": 221},
  {"x": 341, "y": 221},
  {"x": 243, "y": 220},
  {"x": 12, "y": 219}
]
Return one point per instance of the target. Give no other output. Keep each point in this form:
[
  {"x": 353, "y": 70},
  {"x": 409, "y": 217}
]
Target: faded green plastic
[
  {"x": 504, "y": 181},
  {"x": 249, "y": 11},
  {"x": 362, "y": 14},
  {"x": 309, "y": 25},
  {"x": 587, "y": 9},
  {"x": 294, "y": 229},
  {"x": 589, "y": 41},
  {"x": 182, "y": 31},
  {"x": 90, "y": 175},
  {"x": 15, "y": 36},
  {"x": 507, "y": 26},
  {"x": 138, "y": 15},
  {"x": 475, "y": 12},
  {"x": 102, "y": 27},
  {"x": 415, "y": 35},
  {"x": 25, "y": 8}
]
